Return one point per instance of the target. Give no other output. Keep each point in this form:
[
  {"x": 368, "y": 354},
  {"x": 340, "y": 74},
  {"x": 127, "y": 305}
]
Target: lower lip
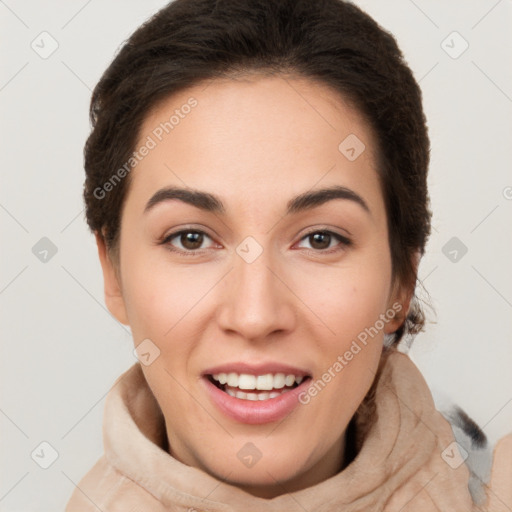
[{"x": 255, "y": 412}]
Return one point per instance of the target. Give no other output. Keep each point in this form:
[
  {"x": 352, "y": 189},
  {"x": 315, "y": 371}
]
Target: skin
[{"x": 256, "y": 142}]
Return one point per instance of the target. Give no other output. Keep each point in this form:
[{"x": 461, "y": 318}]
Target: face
[{"x": 254, "y": 256}]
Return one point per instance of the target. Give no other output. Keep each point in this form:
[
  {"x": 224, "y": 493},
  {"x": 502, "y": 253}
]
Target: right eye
[{"x": 186, "y": 241}]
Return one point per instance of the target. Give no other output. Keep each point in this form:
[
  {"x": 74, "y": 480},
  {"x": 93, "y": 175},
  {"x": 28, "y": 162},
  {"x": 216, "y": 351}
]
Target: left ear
[{"x": 400, "y": 300}]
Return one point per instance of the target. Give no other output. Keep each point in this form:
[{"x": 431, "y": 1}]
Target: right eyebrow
[{"x": 202, "y": 200}]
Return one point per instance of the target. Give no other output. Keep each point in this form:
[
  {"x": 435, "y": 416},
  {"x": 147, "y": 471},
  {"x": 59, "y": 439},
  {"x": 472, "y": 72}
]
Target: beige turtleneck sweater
[{"x": 399, "y": 467}]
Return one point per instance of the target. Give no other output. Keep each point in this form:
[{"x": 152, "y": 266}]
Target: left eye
[{"x": 322, "y": 240}]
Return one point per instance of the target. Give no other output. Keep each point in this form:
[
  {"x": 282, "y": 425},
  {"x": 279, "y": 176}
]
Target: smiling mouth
[{"x": 256, "y": 387}]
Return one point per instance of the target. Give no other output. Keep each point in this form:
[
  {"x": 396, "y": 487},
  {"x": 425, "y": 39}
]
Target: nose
[{"x": 255, "y": 301}]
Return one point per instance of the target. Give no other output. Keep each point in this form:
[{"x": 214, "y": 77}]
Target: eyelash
[{"x": 344, "y": 242}]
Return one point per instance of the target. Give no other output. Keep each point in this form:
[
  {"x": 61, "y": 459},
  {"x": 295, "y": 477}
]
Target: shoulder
[
  {"x": 474, "y": 449},
  {"x": 500, "y": 486},
  {"x": 107, "y": 489},
  {"x": 490, "y": 466},
  {"x": 93, "y": 489}
]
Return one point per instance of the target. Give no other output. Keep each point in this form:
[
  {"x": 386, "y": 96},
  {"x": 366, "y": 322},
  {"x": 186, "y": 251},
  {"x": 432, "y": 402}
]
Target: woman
[{"x": 256, "y": 181}]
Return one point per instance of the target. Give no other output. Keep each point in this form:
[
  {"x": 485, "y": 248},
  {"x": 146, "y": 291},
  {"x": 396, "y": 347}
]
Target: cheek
[
  {"x": 162, "y": 305},
  {"x": 358, "y": 338},
  {"x": 160, "y": 297},
  {"x": 349, "y": 298},
  {"x": 350, "y": 301},
  {"x": 349, "y": 356}
]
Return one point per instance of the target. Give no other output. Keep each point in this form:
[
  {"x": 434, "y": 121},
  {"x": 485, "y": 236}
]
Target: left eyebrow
[
  {"x": 316, "y": 198},
  {"x": 211, "y": 203}
]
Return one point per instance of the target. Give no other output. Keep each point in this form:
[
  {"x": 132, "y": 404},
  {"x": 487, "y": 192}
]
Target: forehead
[{"x": 260, "y": 134}]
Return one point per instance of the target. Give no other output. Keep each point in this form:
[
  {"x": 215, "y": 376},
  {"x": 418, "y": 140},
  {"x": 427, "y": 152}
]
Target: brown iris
[
  {"x": 191, "y": 240},
  {"x": 320, "y": 240}
]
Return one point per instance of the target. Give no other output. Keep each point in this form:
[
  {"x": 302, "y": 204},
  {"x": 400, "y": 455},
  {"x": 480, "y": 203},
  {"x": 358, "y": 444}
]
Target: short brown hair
[{"x": 330, "y": 41}]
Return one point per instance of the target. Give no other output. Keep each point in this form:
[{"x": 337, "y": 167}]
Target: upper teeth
[{"x": 261, "y": 382}]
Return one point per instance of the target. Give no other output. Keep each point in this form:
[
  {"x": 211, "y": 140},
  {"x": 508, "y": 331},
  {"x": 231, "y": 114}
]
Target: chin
[
  {"x": 267, "y": 481},
  {"x": 259, "y": 471}
]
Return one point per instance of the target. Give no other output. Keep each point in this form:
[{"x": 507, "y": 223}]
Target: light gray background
[{"x": 61, "y": 350}]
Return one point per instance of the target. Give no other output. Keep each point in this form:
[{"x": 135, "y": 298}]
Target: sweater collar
[{"x": 399, "y": 462}]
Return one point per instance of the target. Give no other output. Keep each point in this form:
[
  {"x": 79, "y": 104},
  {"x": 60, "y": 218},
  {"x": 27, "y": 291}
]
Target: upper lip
[{"x": 257, "y": 369}]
